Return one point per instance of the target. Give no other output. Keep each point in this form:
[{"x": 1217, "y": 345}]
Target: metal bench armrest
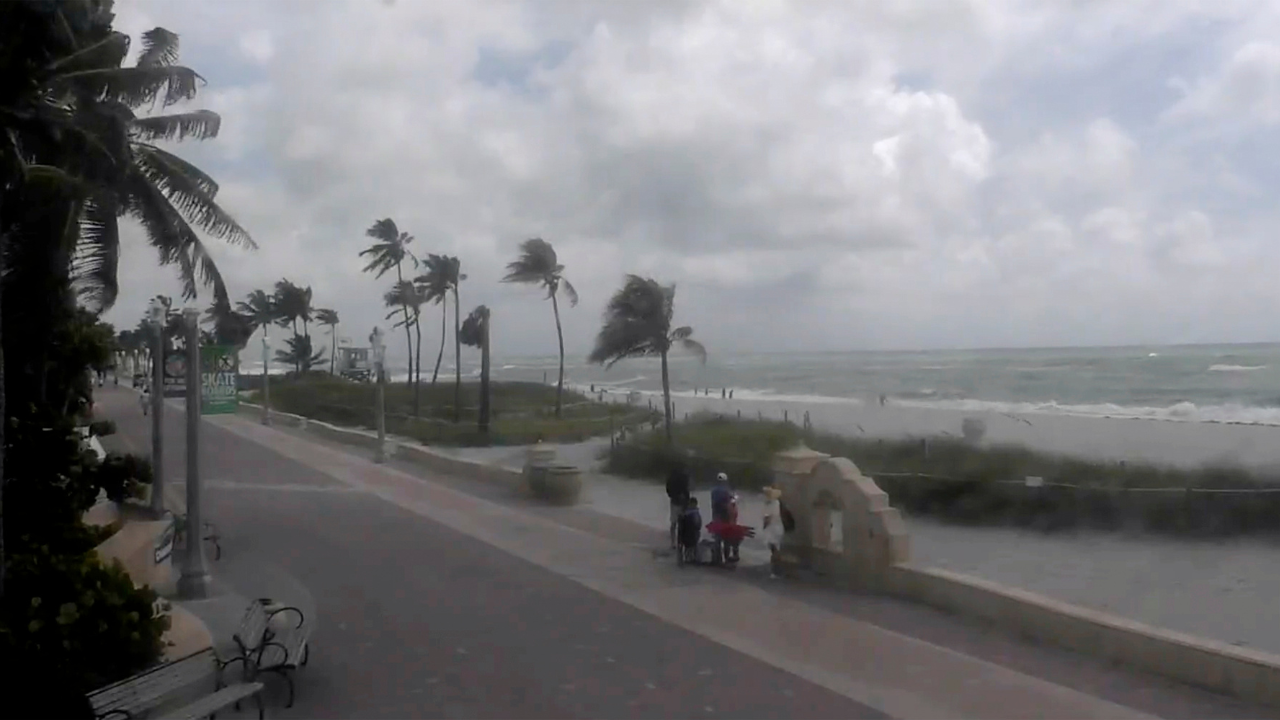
[{"x": 288, "y": 608}]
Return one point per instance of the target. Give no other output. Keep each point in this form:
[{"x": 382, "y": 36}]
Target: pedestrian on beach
[
  {"x": 145, "y": 399},
  {"x": 678, "y": 497},
  {"x": 772, "y": 530}
]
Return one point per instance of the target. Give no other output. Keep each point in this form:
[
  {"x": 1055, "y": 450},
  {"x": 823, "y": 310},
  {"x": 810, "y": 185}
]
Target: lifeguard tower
[{"x": 354, "y": 364}]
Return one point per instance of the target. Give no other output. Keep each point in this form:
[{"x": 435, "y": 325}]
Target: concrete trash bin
[{"x": 558, "y": 484}]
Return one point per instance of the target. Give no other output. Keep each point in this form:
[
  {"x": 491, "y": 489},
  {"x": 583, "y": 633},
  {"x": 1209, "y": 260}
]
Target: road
[{"x": 417, "y": 620}]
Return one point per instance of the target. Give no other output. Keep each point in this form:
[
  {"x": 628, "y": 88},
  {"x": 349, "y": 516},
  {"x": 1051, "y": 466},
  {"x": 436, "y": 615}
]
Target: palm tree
[
  {"x": 538, "y": 265},
  {"x": 434, "y": 287},
  {"x": 299, "y": 354},
  {"x": 229, "y": 326},
  {"x": 390, "y": 251},
  {"x": 444, "y": 274},
  {"x": 637, "y": 323},
  {"x": 293, "y": 305},
  {"x": 260, "y": 308},
  {"x": 330, "y": 318},
  {"x": 475, "y": 333},
  {"x": 405, "y": 294},
  {"x": 128, "y": 173}
]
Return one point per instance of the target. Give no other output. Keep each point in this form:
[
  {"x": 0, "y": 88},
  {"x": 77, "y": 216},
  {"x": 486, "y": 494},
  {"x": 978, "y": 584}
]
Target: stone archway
[{"x": 844, "y": 524}]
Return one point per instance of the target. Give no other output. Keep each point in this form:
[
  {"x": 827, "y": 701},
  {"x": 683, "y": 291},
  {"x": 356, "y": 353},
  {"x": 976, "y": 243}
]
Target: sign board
[
  {"x": 175, "y": 373},
  {"x": 164, "y": 545},
  {"x": 218, "y": 392}
]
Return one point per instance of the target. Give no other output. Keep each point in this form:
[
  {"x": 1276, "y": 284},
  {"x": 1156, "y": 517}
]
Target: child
[
  {"x": 690, "y": 530},
  {"x": 773, "y": 529}
]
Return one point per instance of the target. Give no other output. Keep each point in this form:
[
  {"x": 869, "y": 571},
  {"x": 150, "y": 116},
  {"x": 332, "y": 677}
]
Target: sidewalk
[{"x": 899, "y": 675}]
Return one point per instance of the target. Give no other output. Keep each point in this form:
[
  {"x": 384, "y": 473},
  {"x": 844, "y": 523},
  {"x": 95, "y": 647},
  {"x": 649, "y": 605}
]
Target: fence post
[{"x": 786, "y": 417}]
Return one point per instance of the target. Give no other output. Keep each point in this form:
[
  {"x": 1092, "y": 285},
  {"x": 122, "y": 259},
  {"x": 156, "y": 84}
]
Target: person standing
[
  {"x": 678, "y": 497},
  {"x": 772, "y": 529}
]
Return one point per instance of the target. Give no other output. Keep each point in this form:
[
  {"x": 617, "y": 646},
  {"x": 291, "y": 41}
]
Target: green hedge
[
  {"x": 952, "y": 480},
  {"x": 521, "y": 413}
]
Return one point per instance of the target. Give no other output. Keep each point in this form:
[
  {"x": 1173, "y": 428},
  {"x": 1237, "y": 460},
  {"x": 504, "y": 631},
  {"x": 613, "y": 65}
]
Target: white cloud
[{"x": 822, "y": 172}]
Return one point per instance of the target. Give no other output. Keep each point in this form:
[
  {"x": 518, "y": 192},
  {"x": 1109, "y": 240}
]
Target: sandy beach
[{"x": 1167, "y": 442}]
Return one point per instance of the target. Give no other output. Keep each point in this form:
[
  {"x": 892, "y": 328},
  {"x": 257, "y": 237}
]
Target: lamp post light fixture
[
  {"x": 379, "y": 359},
  {"x": 157, "y": 312}
]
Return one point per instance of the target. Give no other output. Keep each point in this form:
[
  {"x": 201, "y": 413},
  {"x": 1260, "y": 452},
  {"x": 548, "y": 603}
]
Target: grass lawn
[
  {"x": 521, "y": 413},
  {"x": 981, "y": 484}
]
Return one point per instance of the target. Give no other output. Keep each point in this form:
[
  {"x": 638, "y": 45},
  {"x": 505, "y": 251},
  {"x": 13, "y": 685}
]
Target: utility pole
[
  {"x": 158, "y": 314},
  {"x": 380, "y": 403},
  {"x": 193, "y": 584}
]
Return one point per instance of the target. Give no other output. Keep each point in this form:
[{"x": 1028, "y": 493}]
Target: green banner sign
[{"x": 218, "y": 370}]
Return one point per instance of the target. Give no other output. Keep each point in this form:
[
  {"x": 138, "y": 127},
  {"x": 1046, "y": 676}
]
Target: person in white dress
[{"x": 771, "y": 530}]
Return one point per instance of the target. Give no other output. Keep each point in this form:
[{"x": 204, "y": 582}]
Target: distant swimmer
[{"x": 883, "y": 399}]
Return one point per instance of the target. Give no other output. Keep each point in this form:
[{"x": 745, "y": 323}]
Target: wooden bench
[
  {"x": 264, "y": 648},
  {"x": 163, "y": 685}
]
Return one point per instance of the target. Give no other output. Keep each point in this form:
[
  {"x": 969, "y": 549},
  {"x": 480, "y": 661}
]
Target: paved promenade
[{"x": 436, "y": 599}]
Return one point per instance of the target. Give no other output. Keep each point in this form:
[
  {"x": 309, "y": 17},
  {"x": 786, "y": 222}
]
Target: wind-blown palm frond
[
  {"x": 391, "y": 249},
  {"x": 326, "y": 316},
  {"x": 133, "y": 86},
  {"x": 168, "y": 232},
  {"x": 198, "y": 124},
  {"x": 259, "y": 307},
  {"x": 97, "y": 256},
  {"x": 188, "y": 195},
  {"x": 159, "y": 48}
]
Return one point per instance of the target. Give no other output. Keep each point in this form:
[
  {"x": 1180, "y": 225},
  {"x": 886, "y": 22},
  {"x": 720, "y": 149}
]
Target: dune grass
[
  {"x": 521, "y": 413},
  {"x": 952, "y": 480}
]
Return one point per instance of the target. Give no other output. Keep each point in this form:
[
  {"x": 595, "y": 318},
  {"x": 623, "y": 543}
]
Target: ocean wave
[
  {"x": 1236, "y": 368},
  {"x": 1179, "y": 412}
]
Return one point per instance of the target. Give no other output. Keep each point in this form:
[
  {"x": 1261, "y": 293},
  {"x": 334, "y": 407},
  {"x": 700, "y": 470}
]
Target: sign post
[
  {"x": 193, "y": 584},
  {"x": 218, "y": 394}
]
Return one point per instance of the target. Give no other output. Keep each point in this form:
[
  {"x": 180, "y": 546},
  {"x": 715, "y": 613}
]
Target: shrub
[{"x": 82, "y": 621}]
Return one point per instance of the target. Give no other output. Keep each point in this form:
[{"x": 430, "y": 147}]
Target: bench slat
[
  {"x": 210, "y": 704},
  {"x": 149, "y": 688}
]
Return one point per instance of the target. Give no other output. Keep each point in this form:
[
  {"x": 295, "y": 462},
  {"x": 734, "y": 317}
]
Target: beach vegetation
[
  {"x": 520, "y": 412},
  {"x": 538, "y": 265},
  {"x": 949, "y": 479},
  {"x": 638, "y": 323}
]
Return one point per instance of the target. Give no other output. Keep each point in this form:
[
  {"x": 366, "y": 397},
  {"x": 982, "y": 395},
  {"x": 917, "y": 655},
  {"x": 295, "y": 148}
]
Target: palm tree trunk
[
  {"x": 457, "y": 358},
  {"x": 555, "y": 307},
  {"x": 417, "y": 363},
  {"x": 408, "y": 337},
  {"x": 444, "y": 325},
  {"x": 666, "y": 395},
  {"x": 333, "y": 347}
]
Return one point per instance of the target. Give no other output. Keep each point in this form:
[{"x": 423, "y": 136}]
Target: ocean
[
  {"x": 1194, "y": 383},
  {"x": 1237, "y": 384}
]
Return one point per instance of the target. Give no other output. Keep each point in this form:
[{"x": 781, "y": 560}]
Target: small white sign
[{"x": 1034, "y": 481}]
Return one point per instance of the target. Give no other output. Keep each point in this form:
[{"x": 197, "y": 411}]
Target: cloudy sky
[{"x": 812, "y": 175}]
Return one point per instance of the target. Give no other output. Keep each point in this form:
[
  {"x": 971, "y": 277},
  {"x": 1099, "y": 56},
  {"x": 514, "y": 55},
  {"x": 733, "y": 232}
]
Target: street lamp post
[
  {"x": 193, "y": 584},
  {"x": 157, "y": 311},
  {"x": 379, "y": 359},
  {"x": 266, "y": 380}
]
